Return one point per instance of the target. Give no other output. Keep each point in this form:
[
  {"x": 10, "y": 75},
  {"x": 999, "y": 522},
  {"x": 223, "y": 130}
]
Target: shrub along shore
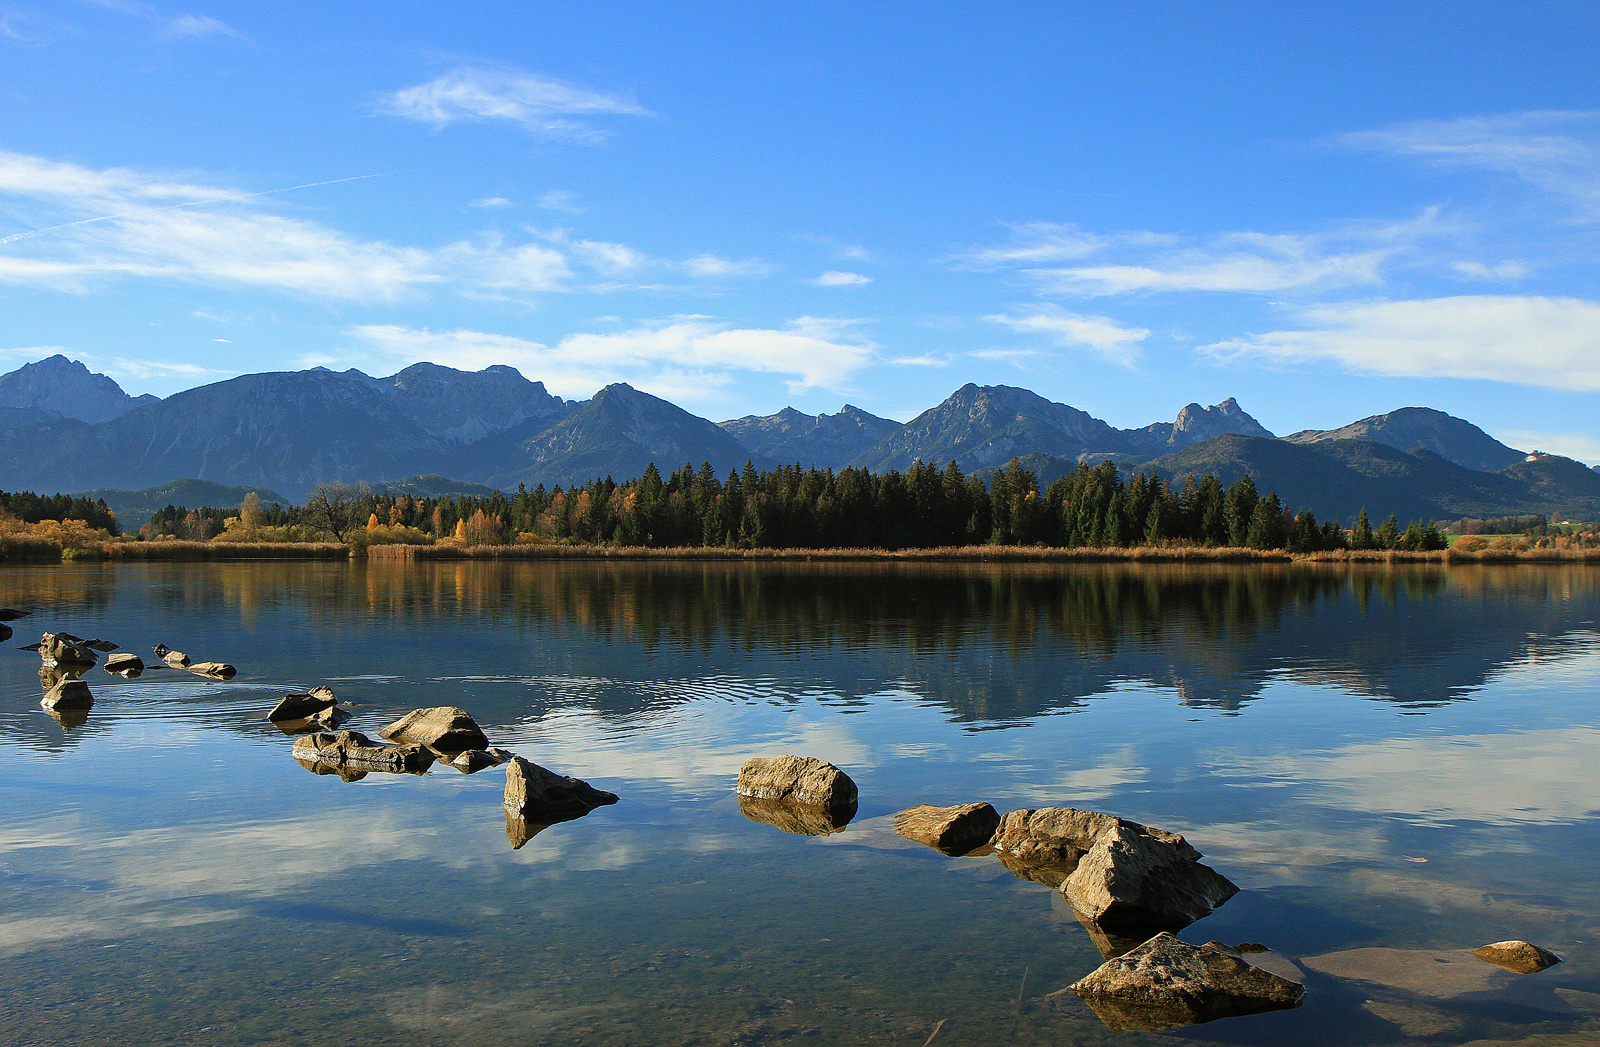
[{"x": 33, "y": 550}]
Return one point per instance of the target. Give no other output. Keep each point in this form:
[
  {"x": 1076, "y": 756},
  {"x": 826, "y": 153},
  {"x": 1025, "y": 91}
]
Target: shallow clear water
[{"x": 1384, "y": 760}]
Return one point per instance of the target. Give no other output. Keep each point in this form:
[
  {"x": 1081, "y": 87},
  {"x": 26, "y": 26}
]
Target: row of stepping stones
[{"x": 1129, "y": 884}]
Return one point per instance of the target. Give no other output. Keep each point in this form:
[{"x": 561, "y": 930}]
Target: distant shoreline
[{"x": 196, "y": 552}]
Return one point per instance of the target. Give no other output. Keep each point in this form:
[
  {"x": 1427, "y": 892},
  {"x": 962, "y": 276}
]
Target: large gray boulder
[
  {"x": 798, "y": 779},
  {"x": 1136, "y": 877},
  {"x": 444, "y": 729},
  {"x": 68, "y": 694},
  {"x": 541, "y": 795},
  {"x": 1166, "y": 983},
  {"x": 355, "y": 750},
  {"x": 961, "y": 829}
]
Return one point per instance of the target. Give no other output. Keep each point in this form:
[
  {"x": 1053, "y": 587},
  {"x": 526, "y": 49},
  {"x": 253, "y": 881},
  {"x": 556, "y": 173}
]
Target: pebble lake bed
[{"x": 1395, "y": 765}]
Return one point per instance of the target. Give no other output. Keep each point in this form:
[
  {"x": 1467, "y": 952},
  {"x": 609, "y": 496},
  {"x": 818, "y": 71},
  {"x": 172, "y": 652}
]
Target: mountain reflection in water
[{"x": 1389, "y": 763}]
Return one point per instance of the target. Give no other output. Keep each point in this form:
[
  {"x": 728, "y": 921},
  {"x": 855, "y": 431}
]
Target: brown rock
[
  {"x": 956, "y": 830},
  {"x": 802, "y": 819},
  {"x": 544, "y": 797},
  {"x": 354, "y": 749},
  {"x": 801, "y": 779},
  {"x": 444, "y": 729},
  {"x": 216, "y": 670},
  {"x": 125, "y": 664},
  {"x": 1137, "y": 877},
  {"x": 1065, "y": 834},
  {"x": 1166, "y": 983},
  {"x": 65, "y": 649},
  {"x": 68, "y": 694},
  {"x": 302, "y": 705},
  {"x": 474, "y": 760},
  {"x": 1517, "y": 955}
]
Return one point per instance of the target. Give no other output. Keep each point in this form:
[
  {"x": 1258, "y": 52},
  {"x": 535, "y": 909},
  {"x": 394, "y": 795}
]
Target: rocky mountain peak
[{"x": 67, "y": 389}]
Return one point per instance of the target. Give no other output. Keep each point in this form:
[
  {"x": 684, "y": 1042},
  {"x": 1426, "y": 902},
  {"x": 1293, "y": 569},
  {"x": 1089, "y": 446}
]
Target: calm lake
[{"x": 1393, "y": 765}]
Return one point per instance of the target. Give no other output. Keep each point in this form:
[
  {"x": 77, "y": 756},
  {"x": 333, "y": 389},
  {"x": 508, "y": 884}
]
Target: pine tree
[{"x": 1361, "y": 536}]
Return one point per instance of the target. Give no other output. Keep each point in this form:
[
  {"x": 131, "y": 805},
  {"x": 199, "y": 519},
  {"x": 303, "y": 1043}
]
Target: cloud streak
[
  {"x": 541, "y": 106},
  {"x": 1098, "y": 334},
  {"x": 1526, "y": 340}
]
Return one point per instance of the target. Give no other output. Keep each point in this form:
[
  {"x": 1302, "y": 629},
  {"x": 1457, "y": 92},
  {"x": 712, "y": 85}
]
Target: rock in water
[
  {"x": 68, "y": 694},
  {"x": 542, "y": 796},
  {"x": 217, "y": 670},
  {"x": 302, "y": 705},
  {"x": 1136, "y": 877},
  {"x": 1517, "y": 955},
  {"x": 65, "y": 649},
  {"x": 956, "y": 830},
  {"x": 354, "y": 749},
  {"x": 444, "y": 729},
  {"x": 1166, "y": 983},
  {"x": 1050, "y": 834},
  {"x": 11, "y": 614},
  {"x": 800, "y": 779},
  {"x": 801, "y": 819},
  {"x": 125, "y": 664}
]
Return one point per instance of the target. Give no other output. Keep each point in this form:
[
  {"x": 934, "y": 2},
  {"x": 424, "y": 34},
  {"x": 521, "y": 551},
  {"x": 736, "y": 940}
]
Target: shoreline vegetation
[{"x": 787, "y": 514}]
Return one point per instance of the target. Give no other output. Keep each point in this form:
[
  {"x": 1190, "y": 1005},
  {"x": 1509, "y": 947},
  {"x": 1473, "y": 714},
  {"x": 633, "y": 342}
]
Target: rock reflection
[
  {"x": 520, "y": 828},
  {"x": 801, "y": 819},
  {"x": 344, "y": 772}
]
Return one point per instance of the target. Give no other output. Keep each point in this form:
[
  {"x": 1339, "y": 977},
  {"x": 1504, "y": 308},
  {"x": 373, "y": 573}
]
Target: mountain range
[{"x": 68, "y": 429}]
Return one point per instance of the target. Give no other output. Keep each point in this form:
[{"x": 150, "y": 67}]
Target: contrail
[{"x": 189, "y": 203}]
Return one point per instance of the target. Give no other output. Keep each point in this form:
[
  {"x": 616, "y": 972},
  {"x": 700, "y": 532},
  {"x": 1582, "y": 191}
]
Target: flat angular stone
[
  {"x": 801, "y": 779},
  {"x": 956, "y": 830},
  {"x": 65, "y": 649},
  {"x": 444, "y": 729},
  {"x": 544, "y": 797},
  {"x": 1166, "y": 983},
  {"x": 801, "y": 819},
  {"x": 1518, "y": 956},
  {"x": 1135, "y": 877},
  {"x": 68, "y": 694},
  {"x": 354, "y": 749},
  {"x": 216, "y": 670},
  {"x": 302, "y": 705},
  {"x": 125, "y": 664}
]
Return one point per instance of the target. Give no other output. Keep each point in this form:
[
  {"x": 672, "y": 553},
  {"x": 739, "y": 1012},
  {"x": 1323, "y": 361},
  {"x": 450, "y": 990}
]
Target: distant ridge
[
  {"x": 63, "y": 388},
  {"x": 826, "y": 440},
  {"x": 134, "y": 508},
  {"x": 1448, "y": 437}
]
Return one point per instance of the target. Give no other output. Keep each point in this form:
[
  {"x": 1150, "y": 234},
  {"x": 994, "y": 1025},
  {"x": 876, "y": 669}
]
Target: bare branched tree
[{"x": 336, "y": 508}]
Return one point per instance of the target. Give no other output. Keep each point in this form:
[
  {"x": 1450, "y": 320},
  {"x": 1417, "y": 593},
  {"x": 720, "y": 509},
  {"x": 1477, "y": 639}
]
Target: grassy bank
[{"x": 33, "y": 549}]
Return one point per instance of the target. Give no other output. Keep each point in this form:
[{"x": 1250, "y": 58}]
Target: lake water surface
[{"x": 1393, "y": 765}]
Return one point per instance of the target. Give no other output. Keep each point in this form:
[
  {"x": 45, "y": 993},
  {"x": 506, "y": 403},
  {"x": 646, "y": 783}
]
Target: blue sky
[{"x": 1327, "y": 211}]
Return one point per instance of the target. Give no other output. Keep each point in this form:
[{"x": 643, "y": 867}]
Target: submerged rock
[
  {"x": 802, "y": 819},
  {"x": 1166, "y": 983},
  {"x": 801, "y": 779},
  {"x": 1138, "y": 877},
  {"x": 125, "y": 664},
  {"x": 216, "y": 670},
  {"x": 1440, "y": 974},
  {"x": 5, "y": 633},
  {"x": 956, "y": 830},
  {"x": 11, "y": 614},
  {"x": 444, "y": 729},
  {"x": 354, "y": 749},
  {"x": 68, "y": 694},
  {"x": 542, "y": 796},
  {"x": 1517, "y": 955}
]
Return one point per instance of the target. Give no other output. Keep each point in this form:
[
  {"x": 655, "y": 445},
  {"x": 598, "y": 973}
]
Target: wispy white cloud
[
  {"x": 91, "y": 226},
  {"x": 1526, "y": 340},
  {"x": 1501, "y": 271},
  {"x": 561, "y": 200},
  {"x": 540, "y": 105},
  {"x": 1033, "y": 243},
  {"x": 1100, "y": 335},
  {"x": 198, "y": 27},
  {"x": 491, "y": 202},
  {"x": 685, "y": 353},
  {"x": 1558, "y": 151},
  {"x": 920, "y": 361},
  {"x": 835, "y": 278}
]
